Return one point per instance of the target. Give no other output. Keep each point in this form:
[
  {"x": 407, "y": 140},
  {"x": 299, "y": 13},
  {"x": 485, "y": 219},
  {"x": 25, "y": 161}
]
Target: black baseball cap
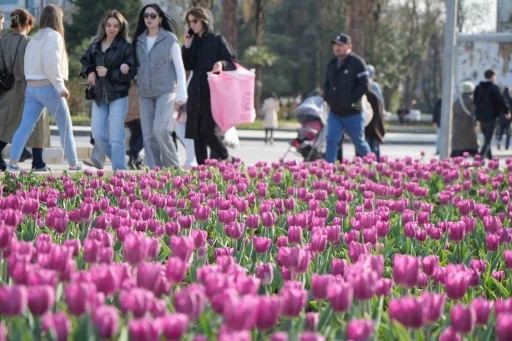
[{"x": 342, "y": 38}]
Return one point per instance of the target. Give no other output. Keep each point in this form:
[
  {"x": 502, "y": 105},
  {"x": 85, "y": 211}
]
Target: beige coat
[
  {"x": 270, "y": 109},
  {"x": 463, "y": 128},
  {"x": 12, "y": 102},
  {"x": 133, "y": 104}
]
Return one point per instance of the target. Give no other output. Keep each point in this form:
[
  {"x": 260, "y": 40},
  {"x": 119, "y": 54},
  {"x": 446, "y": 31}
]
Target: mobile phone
[{"x": 190, "y": 32}]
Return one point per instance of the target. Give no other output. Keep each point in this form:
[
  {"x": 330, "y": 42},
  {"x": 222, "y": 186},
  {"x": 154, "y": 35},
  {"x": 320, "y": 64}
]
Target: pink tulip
[
  {"x": 234, "y": 230},
  {"x": 81, "y": 298},
  {"x": 319, "y": 285},
  {"x": 182, "y": 247},
  {"x": 58, "y": 323},
  {"x": 294, "y": 298},
  {"x": 279, "y": 336},
  {"x": 144, "y": 329},
  {"x": 450, "y": 335},
  {"x": 360, "y": 330},
  {"x": 482, "y": 309},
  {"x": 174, "y": 326},
  {"x": 310, "y": 336},
  {"x": 340, "y": 296},
  {"x": 136, "y": 301},
  {"x": 405, "y": 270},
  {"x": 265, "y": 272},
  {"x": 240, "y": 314},
  {"x": 318, "y": 242},
  {"x": 262, "y": 244},
  {"x": 433, "y": 305},
  {"x": 190, "y": 301},
  {"x": 463, "y": 319},
  {"x": 199, "y": 237},
  {"x": 13, "y": 300},
  {"x": 504, "y": 327},
  {"x": 408, "y": 311},
  {"x": 383, "y": 287},
  {"x": 492, "y": 242},
  {"x": 430, "y": 263},
  {"x": 41, "y": 299},
  {"x": 312, "y": 320},
  {"x": 106, "y": 321},
  {"x": 295, "y": 235}
]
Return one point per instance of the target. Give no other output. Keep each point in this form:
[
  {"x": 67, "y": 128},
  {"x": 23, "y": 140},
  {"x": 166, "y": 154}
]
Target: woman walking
[
  {"x": 46, "y": 69},
  {"x": 109, "y": 66},
  {"x": 464, "y": 126},
  {"x": 204, "y": 51},
  {"x": 161, "y": 83},
  {"x": 270, "y": 119},
  {"x": 12, "y": 55}
]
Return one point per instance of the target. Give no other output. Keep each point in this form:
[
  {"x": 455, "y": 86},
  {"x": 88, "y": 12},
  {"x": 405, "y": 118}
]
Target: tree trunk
[
  {"x": 202, "y": 3},
  {"x": 229, "y": 23},
  {"x": 355, "y": 19},
  {"x": 259, "y": 20}
]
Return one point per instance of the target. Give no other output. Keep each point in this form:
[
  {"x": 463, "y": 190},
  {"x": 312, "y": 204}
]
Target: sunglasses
[{"x": 150, "y": 15}]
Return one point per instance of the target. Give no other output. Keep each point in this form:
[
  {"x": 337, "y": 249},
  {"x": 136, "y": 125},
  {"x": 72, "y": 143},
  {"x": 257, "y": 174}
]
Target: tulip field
[{"x": 402, "y": 250}]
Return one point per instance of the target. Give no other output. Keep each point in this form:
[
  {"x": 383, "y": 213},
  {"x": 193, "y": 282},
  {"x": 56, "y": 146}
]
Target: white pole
[{"x": 447, "y": 98}]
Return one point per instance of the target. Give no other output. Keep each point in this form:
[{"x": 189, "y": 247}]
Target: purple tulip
[
  {"x": 57, "y": 323},
  {"x": 106, "y": 321}
]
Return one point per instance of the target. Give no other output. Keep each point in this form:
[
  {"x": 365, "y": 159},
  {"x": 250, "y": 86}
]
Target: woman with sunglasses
[
  {"x": 109, "y": 66},
  {"x": 204, "y": 51},
  {"x": 161, "y": 82}
]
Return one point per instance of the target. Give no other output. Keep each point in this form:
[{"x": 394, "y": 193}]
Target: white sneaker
[
  {"x": 12, "y": 168},
  {"x": 79, "y": 167}
]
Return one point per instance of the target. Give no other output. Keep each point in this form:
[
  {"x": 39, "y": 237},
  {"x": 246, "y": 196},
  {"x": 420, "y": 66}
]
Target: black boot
[{"x": 25, "y": 155}]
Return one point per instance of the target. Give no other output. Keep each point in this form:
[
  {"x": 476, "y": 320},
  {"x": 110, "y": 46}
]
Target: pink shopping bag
[{"x": 232, "y": 97}]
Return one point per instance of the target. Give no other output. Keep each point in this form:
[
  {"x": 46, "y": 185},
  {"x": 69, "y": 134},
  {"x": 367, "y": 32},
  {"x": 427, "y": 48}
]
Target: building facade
[{"x": 33, "y": 6}]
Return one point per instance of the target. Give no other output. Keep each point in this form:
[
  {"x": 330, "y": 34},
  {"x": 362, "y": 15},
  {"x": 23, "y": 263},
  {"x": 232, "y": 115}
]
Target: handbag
[
  {"x": 7, "y": 79},
  {"x": 89, "y": 93},
  {"x": 232, "y": 97}
]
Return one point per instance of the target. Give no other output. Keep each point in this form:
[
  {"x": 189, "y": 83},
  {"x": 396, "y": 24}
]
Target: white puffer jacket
[{"x": 46, "y": 58}]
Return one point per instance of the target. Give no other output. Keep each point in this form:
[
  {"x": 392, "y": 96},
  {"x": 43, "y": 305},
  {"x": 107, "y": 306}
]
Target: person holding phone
[
  {"x": 109, "y": 66},
  {"x": 161, "y": 82},
  {"x": 46, "y": 70},
  {"x": 204, "y": 51}
]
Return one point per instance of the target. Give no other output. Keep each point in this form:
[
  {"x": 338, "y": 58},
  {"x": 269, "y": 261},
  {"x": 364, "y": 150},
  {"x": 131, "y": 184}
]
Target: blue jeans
[
  {"x": 108, "y": 130},
  {"x": 354, "y": 127},
  {"x": 37, "y": 98}
]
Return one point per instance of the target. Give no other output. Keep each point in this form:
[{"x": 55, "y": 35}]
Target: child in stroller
[{"x": 311, "y": 136}]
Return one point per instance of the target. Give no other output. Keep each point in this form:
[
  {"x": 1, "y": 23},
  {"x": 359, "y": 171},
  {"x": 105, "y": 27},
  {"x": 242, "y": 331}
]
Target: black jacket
[
  {"x": 375, "y": 129},
  {"x": 436, "y": 115},
  {"x": 200, "y": 57},
  {"x": 489, "y": 102},
  {"x": 345, "y": 86},
  {"x": 115, "y": 84}
]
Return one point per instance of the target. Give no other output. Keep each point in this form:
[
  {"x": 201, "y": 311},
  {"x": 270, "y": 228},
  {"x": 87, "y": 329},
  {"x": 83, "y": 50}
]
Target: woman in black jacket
[
  {"x": 109, "y": 66},
  {"x": 204, "y": 51}
]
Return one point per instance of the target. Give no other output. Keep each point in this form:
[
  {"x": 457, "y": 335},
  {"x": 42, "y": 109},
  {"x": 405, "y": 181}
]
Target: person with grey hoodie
[{"x": 161, "y": 83}]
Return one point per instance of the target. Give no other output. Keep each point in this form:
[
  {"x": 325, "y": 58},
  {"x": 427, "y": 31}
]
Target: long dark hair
[{"x": 168, "y": 23}]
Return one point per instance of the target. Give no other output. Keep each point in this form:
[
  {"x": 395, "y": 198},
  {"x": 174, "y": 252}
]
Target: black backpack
[{"x": 7, "y": 79}]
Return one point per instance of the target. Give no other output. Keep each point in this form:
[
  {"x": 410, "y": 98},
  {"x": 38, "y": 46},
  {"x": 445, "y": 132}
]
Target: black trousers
[
  {"x": 212, "y": 141},
  {"x": 488, "y": 129},
  {"x": 136, "y": 140}
]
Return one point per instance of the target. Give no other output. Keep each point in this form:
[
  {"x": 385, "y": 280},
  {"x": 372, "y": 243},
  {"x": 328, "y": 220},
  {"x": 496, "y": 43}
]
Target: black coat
[
  {"x": 345, "y": 87},
  {"x": 375, "y": 129},
  {"x": 200, "y": 57},
  {"x": 489, "y": 101},
  {"x": 115, "y": 84}
]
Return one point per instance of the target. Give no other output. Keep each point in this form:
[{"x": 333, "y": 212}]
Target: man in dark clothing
[
  {"x": 346, "y": 82},
  {"x": 490, "y": 105},
  {"x": 504, "y": 123}
]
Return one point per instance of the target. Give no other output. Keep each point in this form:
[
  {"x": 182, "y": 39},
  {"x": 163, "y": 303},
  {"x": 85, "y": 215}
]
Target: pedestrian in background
[
  {"x": 436, "y": 122},
  {"x": 46, "y": 70},
  {"x": 109, "y": 66},
  {"x": 490, "y": 105},
  {"x": 504, "y": 123},
  {"x": 464, "y": 138},
  {"x": 136, "y": 142},
  {"x": 12, "y": 57},
  {"x": 204, "y": 51},
  {"x": 345, "y": 85},
  {"x": 161, "y": 82},
  {"x": 270, "y": 119}
]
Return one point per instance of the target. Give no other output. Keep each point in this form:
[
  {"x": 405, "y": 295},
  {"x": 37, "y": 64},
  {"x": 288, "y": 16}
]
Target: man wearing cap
[{"x": 346, "y": 82}]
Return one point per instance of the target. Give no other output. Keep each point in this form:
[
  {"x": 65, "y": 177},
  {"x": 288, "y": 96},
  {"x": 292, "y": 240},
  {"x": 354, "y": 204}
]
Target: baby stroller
[{"x": 311, "y": 136}]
